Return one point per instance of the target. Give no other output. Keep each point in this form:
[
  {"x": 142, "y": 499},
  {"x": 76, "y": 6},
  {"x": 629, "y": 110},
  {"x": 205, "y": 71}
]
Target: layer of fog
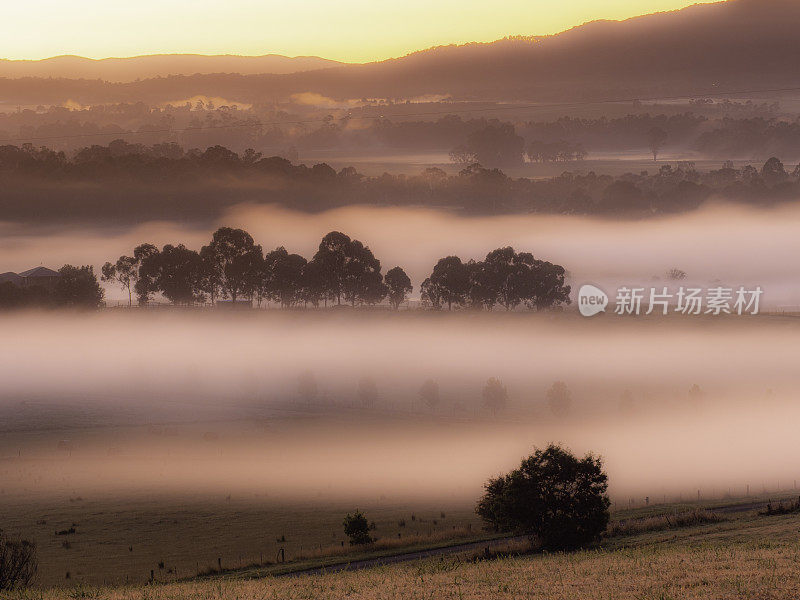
[
  {"x": 235, "y": 376},
  {"x": 168, "y": 401},
  {"x": 728, "y": 245},
  {"x": 719, "y": 453}
]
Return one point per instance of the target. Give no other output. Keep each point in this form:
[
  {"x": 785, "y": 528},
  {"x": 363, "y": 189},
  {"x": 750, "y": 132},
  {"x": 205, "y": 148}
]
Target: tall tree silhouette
[
  {"x": 656, "y": 138},
  {"x": 284, "y": 276},
  {"x": 175, "y": 272},
  {"x": 125, "y": 270},
  {"x": 347, "y": 269},
  {"x": 448, "y": 283},
  {"x": 235, "y": 258},
  {"x": 398, "y": 285},
  {"x": 495, "y": 395}
]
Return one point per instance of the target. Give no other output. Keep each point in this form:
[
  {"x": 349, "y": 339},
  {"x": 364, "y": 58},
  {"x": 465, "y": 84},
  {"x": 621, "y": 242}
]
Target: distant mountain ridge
[
  {"x": 122, "y": 70},
  {"x": 706, "y": 48}
]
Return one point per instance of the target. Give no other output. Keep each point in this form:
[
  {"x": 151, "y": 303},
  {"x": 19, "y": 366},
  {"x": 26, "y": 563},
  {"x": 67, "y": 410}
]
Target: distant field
[
  {"x": 607, "y": 163},
  {"x": 750, "y": 556},
  {"x": 123, "y": 539}
]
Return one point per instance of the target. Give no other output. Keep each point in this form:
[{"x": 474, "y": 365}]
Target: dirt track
[{"x": 484, "y": 546}]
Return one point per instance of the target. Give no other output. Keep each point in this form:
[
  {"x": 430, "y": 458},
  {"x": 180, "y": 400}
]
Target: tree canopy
[
  {"x": 505, "y": 277},
  {"x": 553, "y": 496}
]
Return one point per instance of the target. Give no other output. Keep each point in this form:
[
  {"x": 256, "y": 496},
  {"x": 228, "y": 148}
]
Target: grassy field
[
  {"x": 118, "y": 540},
  {"x": 742, "y": 556},
  {"x": 132, "y": 514}
]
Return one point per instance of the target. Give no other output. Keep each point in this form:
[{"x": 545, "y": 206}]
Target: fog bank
[{"x": 717, "y": 245}]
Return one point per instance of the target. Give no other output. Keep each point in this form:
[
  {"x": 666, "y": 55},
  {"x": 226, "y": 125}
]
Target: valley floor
[{"x": 753, "y": 557}]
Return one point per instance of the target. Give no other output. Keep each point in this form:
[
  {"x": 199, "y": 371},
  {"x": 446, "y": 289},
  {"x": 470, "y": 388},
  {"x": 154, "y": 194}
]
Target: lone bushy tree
[
  {"x": 356, "y": 527},
  {"x": 18, "y": 564},
  {"x": 398, "y": 286},
  {"x": 553, "y": 496}
]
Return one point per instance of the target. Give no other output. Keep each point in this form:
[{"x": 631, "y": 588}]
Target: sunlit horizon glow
[{"x": 348, "y": 31}]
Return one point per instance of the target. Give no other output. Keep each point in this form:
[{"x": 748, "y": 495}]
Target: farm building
[
  {"x": 38, "y": 276},
  {"x": 10, "y": 278}
]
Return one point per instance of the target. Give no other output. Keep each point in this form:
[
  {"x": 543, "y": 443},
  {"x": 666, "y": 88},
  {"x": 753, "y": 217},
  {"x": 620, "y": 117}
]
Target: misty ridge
[
  {"x": 703, "y": 48},
  {"x": 719, "y": 128},
  {"x": 166, "y": 150},
  {"x": 130, "y": 183},
  {"x": 158, "y": 65}
]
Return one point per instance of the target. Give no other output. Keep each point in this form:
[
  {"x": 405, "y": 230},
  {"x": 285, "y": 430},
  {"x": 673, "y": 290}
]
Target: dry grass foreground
[{"x": 753, "y": 559}]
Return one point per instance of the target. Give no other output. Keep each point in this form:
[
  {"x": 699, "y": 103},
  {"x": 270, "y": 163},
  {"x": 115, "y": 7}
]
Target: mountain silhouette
[
  {"x": 702, "y": 49},
  {"x": 119, "y": 70}
]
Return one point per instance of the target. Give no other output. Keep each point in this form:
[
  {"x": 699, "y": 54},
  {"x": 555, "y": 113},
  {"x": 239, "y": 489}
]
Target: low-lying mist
[
  {"x": 171, "y": 401},
  {"x": 176, "y": 400},
  {"x": 718, "y": 244}
]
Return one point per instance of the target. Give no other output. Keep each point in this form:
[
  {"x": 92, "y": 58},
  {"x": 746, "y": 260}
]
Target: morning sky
[{"x": 346, "y": 30}]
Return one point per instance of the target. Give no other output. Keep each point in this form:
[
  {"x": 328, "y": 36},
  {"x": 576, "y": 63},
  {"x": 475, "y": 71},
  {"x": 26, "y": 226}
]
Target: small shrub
[
  {"x": 18, "y": 564},
  {"x": 781, "y": 508},
  {"x": 83, "y": 592},
  {"x": 69, "y": 531},
  {"x": 357, "y": 528}
]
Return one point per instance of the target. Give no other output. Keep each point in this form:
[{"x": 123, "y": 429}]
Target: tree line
[
  {"x": 505, "y": 278},
  {"x": 199, "y": 185},
  {"x": 233, "y": 268},
  {"x": 202, "y": 124}
]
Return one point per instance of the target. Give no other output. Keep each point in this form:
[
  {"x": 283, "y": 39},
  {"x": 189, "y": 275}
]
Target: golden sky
[{"x": 347, "y": 30}]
